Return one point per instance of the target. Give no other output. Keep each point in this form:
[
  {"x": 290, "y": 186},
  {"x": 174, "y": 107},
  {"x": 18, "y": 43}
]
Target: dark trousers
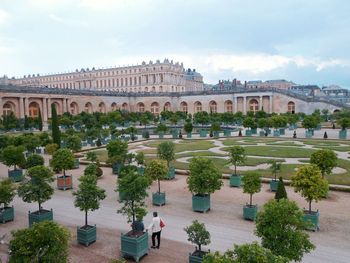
[{"x": 154, "y": 235}]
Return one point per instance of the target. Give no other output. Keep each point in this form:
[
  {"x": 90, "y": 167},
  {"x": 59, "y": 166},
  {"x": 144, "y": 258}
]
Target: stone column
[
  {"x": 44, "y": 110},
  {"x": 68, "y": 106},
  {"x": 49, "y": 107},
  {"x": 26, "y": 106},
  {"x": 64, "y": 105},
  {"x": 21, "y": 108},
  {"x": 1, "y": 107},
  {"x": 235, "y": 102},
  {"x": 271, "y": 103},
  {"x": 260, "y": 102},
  {"x": 244, "y": 105}
]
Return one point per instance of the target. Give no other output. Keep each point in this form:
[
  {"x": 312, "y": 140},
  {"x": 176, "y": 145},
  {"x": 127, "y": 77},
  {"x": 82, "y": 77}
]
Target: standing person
[{"x": 156, "y": 228}]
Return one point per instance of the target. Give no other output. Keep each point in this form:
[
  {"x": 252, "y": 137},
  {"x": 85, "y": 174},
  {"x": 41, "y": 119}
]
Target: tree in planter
[
  {"x": 198, "y": 235},
  {"x": 281, "y": 190},
  {"x": 162, "y": 128},
  {"x": 275, "y": 168},
  {"x": 204, "y": 179},
  {"x": 62, "y": 160},
  {"x": 251, "y": 185},
  {"x": 37, "y": 188},
  {"x": 13, "y": 156},
  {"x": 157, "y": 170},
  {"x": 56, "y": 133},
  {"x": 188, "y": 126},
  {"x": 325, "y": 160},
  {"x": 140, "y": 158},
  {"x": 74, "y": 143},
  {"x": 309, "y": 182},
  {"x": 34, "y": 160},
  {"x": 282, "y": 230},
  {"x": 249, "y": 122},
  {"x": 51, "y": 148},
  {"x": 88, "y": 198},
  {"x": 93, "y": 169},
  {"x": 237, "y": 157},
  {"x": 44, "y": 242},
  {"x": 117, "y": 151},
  {"x": 215, "y": 128},
  {"x": 92, "y": 157},
  {"x": 7, "y": 193},
  {"x": 310, "y": 122},
  {"x": 344, "y": 123},
  {"x": 166, "y": 151}
]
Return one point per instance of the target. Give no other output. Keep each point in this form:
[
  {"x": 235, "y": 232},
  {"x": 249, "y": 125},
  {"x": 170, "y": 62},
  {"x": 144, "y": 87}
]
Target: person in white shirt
[{"x": 156, "y": 230}]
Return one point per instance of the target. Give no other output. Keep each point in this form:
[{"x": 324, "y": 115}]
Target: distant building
[
  {"x": 276, "y": 84},
  {"x": 337, "y": 93},
  {"x": 306, "y": 90}
]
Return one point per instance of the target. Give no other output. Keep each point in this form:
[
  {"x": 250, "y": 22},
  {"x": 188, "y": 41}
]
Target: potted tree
[
  {"x": 161, "y": 129},
  {"x": 117, "y": 151},
  {"x": 74, "y": 144},
  {"x": 249, "y": 123},
  {"x": 44, "y": 242},
  {"x": 312, "y": 186},
  {"x": 13, "y": 155},
  {"x": 281, "y": 190},
  {"x": 37, "y": 188},
  {"x": 92, "y": 157},
  {"x": 237, "y": 157},
  {"x": 215, "y": 129},
  {"x": 140, "y": 160},
  {"x": 200, "y": 236},
  {"x": 134, "y": 186},
  {"x": 204, "y": 179},
  {"x": 310, "y": 123},
  {"x": 34, "y": 160},
  {"x": 63, "y": 159},
  {"x": 275, "y": 168},
  {"x": 88, "y": 198},
  {"x": 188, "y": 127},
  {"x": 251, "y": 185},
  {"x": 7, "y": 193},
  {"x": 344, "y": 124},
  {"x": 166, "y": 151},
  {"x": 325, "y": 160},
  {"x": 157, "y": 170}
]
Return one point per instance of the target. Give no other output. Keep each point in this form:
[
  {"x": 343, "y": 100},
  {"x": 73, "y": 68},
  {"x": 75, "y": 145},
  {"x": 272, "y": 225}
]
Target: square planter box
[
  {"x": 116, "y": 168},
  {"x": 15, "y": 175},
  {"x": 195, "y": 258},
  {"x": 158, "y": 198},
  {"x": 200, "y": 203},
  {"x": 38, "y": 151},
  {"x": 203, "y": 133},
  {"x": 262, "y": 133},
  {"x": 171, "y": 174},
  {"x": 141, "y": 170},
  {"x": 313, "y": 219},
  {"x": 86, "y": 236},
  {"x": 64, "y": 182},
  {"x": 161, "y": 135},
  {"x": 248, "y": 132},
  {"x": 189, "y": 135},
  {"x": 254, "y": 131},
  {"x": 37, "y": 217},
  {"x": 250, "y": 212},
  {"x": 175, "y": 134},
  {"x": 342, "y": 134},
  {"x": 308, "y": 134},
  {"x": 273, "y": 185},
  {"x": 235, "y": 180},
  {"x": 93, "y": 144},
  {"x": 216, "y": 135},
  {"x": 227, "y": 133},
  {"x": 76, "y": 163},
  {"x": 282, "y": 131},
  {"x": 135, "y": 247},
  {"x": 7, "y": 214},
  {"x": 276, "y": 133}
]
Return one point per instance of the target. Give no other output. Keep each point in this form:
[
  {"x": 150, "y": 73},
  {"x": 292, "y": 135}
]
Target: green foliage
[
  {"x": 215, "y": 127},
  {"x": 37, "y": 188},
  {"x": 93, "y": 169},
  {"x": 7, "y": 191},
  {"x": 201, "y": 117},
  {"x": 275, "y": 167},
  {"x": 249, "y": 122},
  {"x": 156, "y": 170},
  {"x": 204, "y": 177},
  {"x": 309, "y": 182},
  {"x": 34, "y": 160},
  {"x": 166, "y": 151},
  {"x": 26, "y": 122},
  {"x": 134, "y": 188},
  {"x": 56, "y": 133},
  {"x": 10, "y": 121},
  {"x": 251, "y": 184},
  {"x": 45, "y": 242},
  {"x": 88, "y": 195},
  {"x": 188, "y": 126},
  {"x": 13, "y": 155},
  {"x": 51, "y": 148},
  {"x": 62, "y": 159},
  {"x": 91, "y": 156},
  {"x": 117, "y": 151},
  {"x": 310, "y": 122},
  {"x": 237, "y": 156},
  {"x": 282, "y": 229},
  {"x": 40, "y": 121},
  {"x": 162, "y": 127},
  {"x": 325, "y": 160},
  {"x": 198, "y": 234},
  {"x": 344, "y": 123},
  {"x": 30, "y": 142},
  {"x": 281, "y": 190},
  {"x": 74, "y": 143},
  {"x": 140, "y": 158}
]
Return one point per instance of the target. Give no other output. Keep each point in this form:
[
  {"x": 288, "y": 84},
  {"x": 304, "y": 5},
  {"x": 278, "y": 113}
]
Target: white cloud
[
  {"x": 67, "y": 21},
  {"x": 105, "y": 5},
  {"x": 3, "y": 16}
]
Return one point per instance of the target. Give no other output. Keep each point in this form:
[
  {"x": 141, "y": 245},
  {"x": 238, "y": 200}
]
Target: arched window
[
  {"x": 8, "y": 108},
  {"x": 228, "y": 106},
  {"x": 125, "y": 106},
  {"x": 153, "y": 89},
  {"x": 102, "y": 107},
  {"x": 140, "y": 107},
  {"x": 88, "y": 107},
  {"x": 253, "y": 105},
  {"x": 74, "y": 110},
  {"x": 213, "y": 106},
  {"x": 183, "y": 107},
  {"x": 291, "y": 107},
  {"x": 146, "y": 89},
  {"x": 197, "y": 107},
  {"x": 155, "y": 108},
  {"x": 167, "y": 106},
  {"x": 34, "y": 109}
]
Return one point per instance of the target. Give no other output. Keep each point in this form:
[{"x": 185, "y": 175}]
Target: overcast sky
[{"x": 304, "y": 41}]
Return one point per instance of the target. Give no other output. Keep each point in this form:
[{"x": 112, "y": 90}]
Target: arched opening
[
  {"x": 197, "y": 106},
  {"x": 155, "y": 108},
  {"x": 167, "y": 106},
  {"x": 88, "y": 107},
  {"x": 146, "y": 89},
  {"x": 74, "y": 110},
  {"x": 336, "y": 110},
  {"x": 253, "y": 105},
  {"x": 212, "y": 106},
  {"x": 184, "y": 107},
  {"x": 125, "y": 106},
  {"x": 291, "y": 107},
  {"x": 102, "y": 107},
  {"x": 140, "y": 107},
  {"x": 34, "y": 109},
  {"x": 228, "y": 106},
  {"x": 8, "y": 107},
  {"x": 153, "y": 89},
  {"x": 57, "y": 107},
  {"x": 114, "y": 106}
]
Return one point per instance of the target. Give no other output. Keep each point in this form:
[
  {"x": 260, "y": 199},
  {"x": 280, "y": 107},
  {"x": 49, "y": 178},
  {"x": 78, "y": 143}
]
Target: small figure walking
[
  {"x": 156, "y": 228},
  {"x": 294, "y": 134},
  {"x": 325, "y": 135}
]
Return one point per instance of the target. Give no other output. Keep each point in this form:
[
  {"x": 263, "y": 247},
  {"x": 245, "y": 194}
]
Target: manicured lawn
[
  {"x": 336, "y": 148},
  {"x": 287, "y": 171},
  {"x": 201, "y": 153},
  {"x": 276, "y": 151},
  {"x": 284, "y": 143},
  {"x": 102, "y": 155},
  {"x": 322, "y": 142},
  {"x": 251, "y": 161},
  {"x": 184, "y": 145}
]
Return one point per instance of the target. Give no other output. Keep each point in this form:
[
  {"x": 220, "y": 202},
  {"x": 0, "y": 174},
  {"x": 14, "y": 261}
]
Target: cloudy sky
[{"x": 304, "y": 41}]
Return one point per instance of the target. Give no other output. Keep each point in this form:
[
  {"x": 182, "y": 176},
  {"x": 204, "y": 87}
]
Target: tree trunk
[
  {"x": 158, "y": 186},
  {"x": 133, "y": 215},
  {"x": 199, "y": 247},
  {"x": 39, "y": 206},
  {"x": 64, "y": 173},
  {"x": 86, "y": 216},
  {"x": 235, "y": 169},
  {"x": 310, "y": 207},
  {"x": 251, "y": 199},
  {"x": 14, "y": 166}
]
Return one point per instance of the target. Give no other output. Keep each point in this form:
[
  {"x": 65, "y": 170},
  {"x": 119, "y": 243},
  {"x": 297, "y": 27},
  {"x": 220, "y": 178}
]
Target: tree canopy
[
  {"x": 325, "y": 160},
  {"x": 251, "y": 184},
  {"x": 198, "y": 234},
  {"x": 156, "y": 170},
  {"x": 166, "y": 151},
  {"x": 237, "y": 156},
  {"x": 7, "y": 192}
]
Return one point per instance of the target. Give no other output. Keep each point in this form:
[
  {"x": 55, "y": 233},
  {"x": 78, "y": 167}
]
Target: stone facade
[{"x": 165, "y": 76}]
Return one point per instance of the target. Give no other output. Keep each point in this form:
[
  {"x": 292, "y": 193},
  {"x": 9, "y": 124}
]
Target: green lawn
[
  {"x": 186, "y": 145},
  {"x": 202, "y": 153},
  {"x": 284, "y": 143},
  {"x": 276, "y": 151},
  {"x": 336, "y": 148}
]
